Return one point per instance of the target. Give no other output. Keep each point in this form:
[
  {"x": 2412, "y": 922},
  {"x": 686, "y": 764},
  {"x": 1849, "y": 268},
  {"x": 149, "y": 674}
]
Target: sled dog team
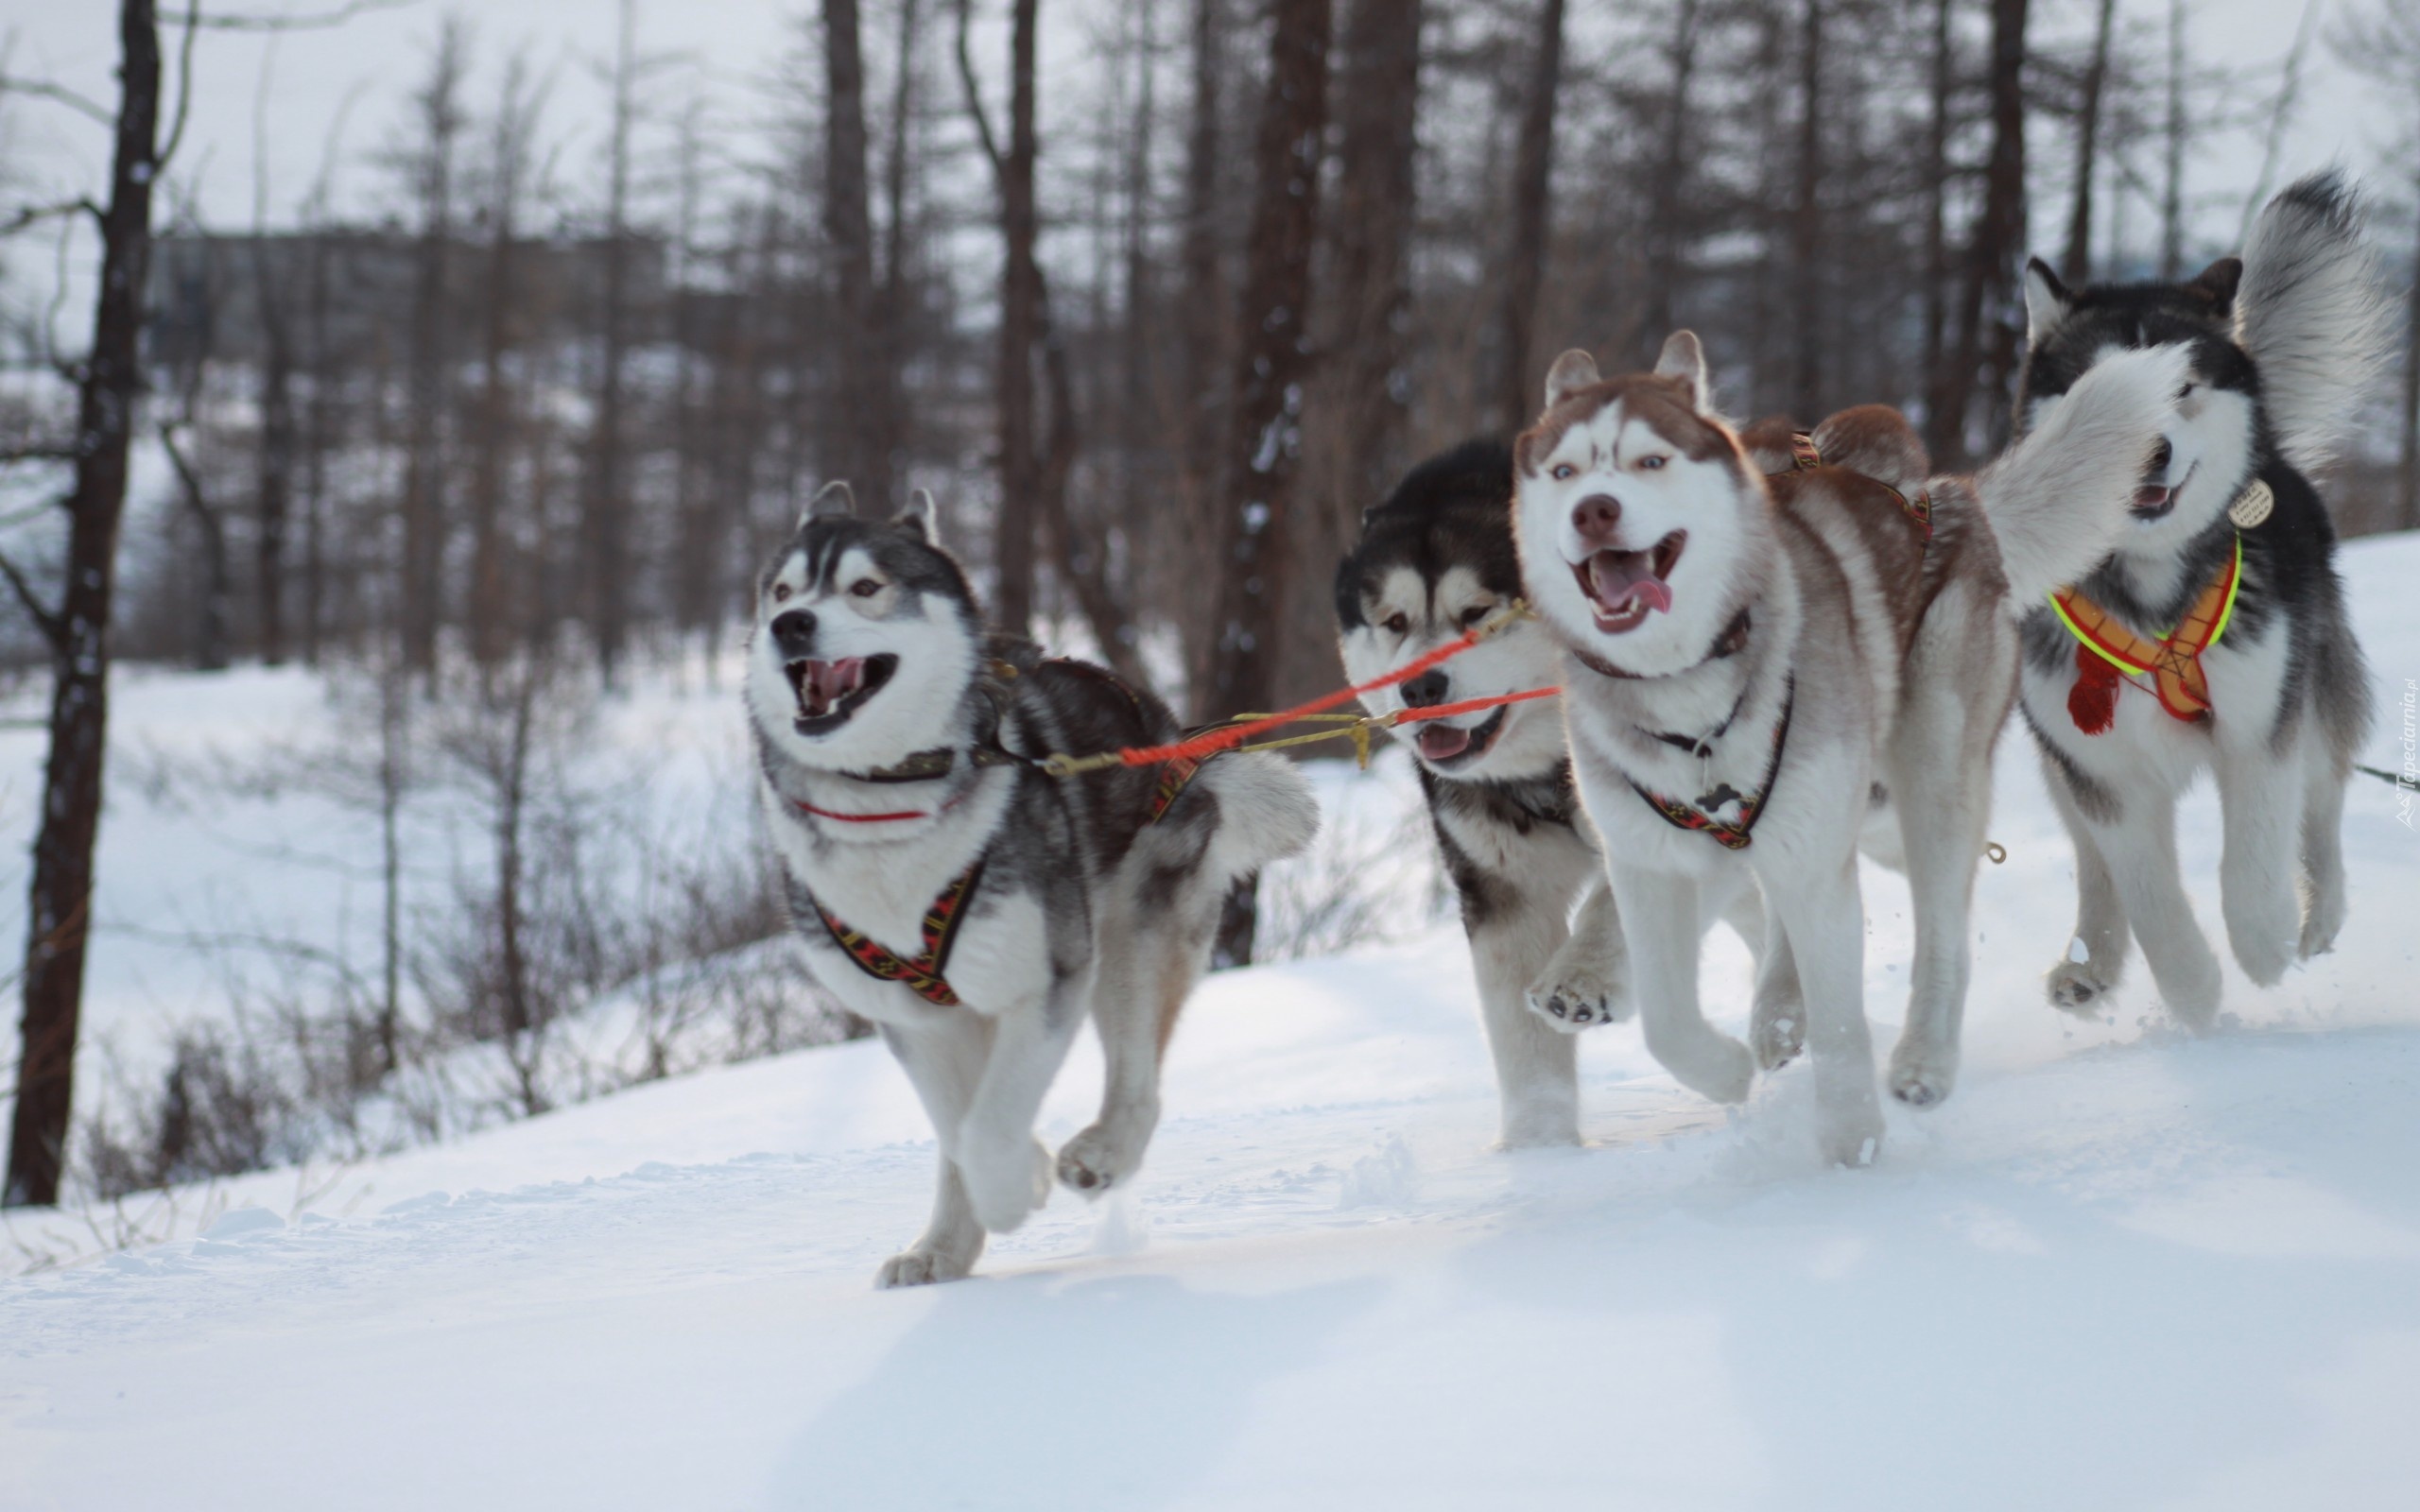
[{"x": 1776, "y": 651}]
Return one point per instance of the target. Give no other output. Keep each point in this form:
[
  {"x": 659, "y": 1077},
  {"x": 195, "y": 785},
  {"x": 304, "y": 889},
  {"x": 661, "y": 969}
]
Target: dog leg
[
  {"x": 1537, "y": 1063},
  {"x": 1825, "y": 923},
  {"x": 2323, "y": 851},
  {"x": 2262, "y": 800},
  {"x": 1942, "y": 775},
  {"x": 943, "y": 1064},
  {"x": 1135, "y": 1002},
  {"x": 2141, "y": 851},
  {"x": 1587, "y": 982},
  {"x": 1660, "y": 916},
  {"x": 2075, "y": 986},
  {"x": 1777, "y": 1022},
  {"x": 1006, "y": 1169}
]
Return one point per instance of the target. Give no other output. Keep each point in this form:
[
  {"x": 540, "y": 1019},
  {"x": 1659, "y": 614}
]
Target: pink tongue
[
  {"x": 2149, "y": 498},
  {"x": 1442, "y": 742},
  {"x": 831, "y": 679},
  {"x": 1623, "y": 576}
]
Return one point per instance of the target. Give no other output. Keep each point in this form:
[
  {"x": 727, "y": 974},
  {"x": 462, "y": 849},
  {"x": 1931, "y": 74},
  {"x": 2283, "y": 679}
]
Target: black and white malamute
[
  {"x": 1436, "y": 558},
  {"x": 974, "y": 908},
  {"x": 2214, "y": 635}
]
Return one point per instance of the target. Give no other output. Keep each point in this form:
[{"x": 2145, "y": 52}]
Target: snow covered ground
[{"x": 2123, "y": 1267}]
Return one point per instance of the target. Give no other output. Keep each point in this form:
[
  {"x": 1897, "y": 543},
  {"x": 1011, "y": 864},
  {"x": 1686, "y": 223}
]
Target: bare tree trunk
[
  {"x": 318, "y": 439},
  {"x": 1937, "y": 269},
  {"x": 2171, "y": 200},
  {"x": 1020, "y": 514},
  {"x": 1375, "y": 193},
  {"x": 1525, "y": 265},
  {"x": 491, "y": 593},
  {"x": 274, "y": 505},
  {"x": 605, "y": 526},
  {"x": 2076, "y": 266},
  {"x": 1999, "y": 236},
  {"x": 424, "y": 522},
  {"x": 1203, "y": 332},
  {"x": 1256, "y": 534},
  {"x": 59, "y": 915},
  {"x": 1660, "y": 297},
  {"x": 861, "y": 454},
  {"x": 211, "y": 651},
  {"x": 891, "y": 410},
  {"x": 1808, "y": 303}
]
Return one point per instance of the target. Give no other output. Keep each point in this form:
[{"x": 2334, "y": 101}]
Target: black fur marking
[
  {"x": 1453, "y": 510},
  {"x": 2094, "y": 800}
]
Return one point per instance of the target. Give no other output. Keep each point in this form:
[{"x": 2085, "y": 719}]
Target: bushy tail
[
  {"x": 2057, "y": 499},
  {"x": 1266, "y": 812},
  {"x": 2311, "y": 312},
  {"x": 1877, "y": 441}
]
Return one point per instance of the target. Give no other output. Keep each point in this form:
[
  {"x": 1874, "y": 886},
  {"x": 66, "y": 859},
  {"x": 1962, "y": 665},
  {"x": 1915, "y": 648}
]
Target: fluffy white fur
[
  {"x": 2057, "y": 499},
  {"x": 2311, "y": 312}
]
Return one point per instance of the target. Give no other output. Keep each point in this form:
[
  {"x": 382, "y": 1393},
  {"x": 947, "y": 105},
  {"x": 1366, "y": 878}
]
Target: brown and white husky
[{"x": 1761, "y": 673}]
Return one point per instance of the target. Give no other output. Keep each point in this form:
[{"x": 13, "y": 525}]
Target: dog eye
[
  {"x": 1398, "y": 624},
  {"x": 780, "y": 593},
  {"x": 865, "y": 588},
  {"x": 1563, "y": 471},
  {"x": 1475, "y": 613},
  {"x": 2186, "y": 392},
  {"x": 1653, "y": 464}
]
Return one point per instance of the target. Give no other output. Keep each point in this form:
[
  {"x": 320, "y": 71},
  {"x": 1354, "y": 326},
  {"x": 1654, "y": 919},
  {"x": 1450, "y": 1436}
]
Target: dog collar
[
  {"x": 1725, "y": 645},
  {"x": 1731, "y": 834},
  {"x": 2106, "y": 649}
]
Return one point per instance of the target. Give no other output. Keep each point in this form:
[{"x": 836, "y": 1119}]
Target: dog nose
[
  {"x": 2161, "y": 455},
  {"x": 794, "y": 631},
  {"x": 1426, "y": 689},
  {"x": 1597, "y": 517}
]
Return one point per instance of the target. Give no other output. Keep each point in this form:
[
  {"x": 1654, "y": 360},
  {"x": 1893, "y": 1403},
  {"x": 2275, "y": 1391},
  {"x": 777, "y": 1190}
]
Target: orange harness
[{"x": 2106, "y": 650}]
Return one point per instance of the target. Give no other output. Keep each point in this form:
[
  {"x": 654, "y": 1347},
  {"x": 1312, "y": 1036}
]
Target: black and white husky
[
  {"x": 974, "y": 908},
  {"x": 1436, "y": 558},
  {"x": 2213, "y": 633},
  {"x": 1757, "y": 670}
]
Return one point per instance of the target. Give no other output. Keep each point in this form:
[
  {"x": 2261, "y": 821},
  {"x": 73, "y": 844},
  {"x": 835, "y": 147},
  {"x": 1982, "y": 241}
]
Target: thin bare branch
[
  {"x": 60, "y": 94},
  {"x": 194, "y": 21},
  {"x": 984, "y": 136},
  {"x": 54, "y": 629},
  {"x": 185, "y": 86},
  {"x": 28, "y": 215}
]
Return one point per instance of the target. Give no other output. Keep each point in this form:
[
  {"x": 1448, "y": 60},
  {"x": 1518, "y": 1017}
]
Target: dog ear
[
  {"x": 2046, "y": 300},
  {"x": 1572, "y": 371},
  {"x": 833, "y": 500},
  {"x": 921, "y": 517},
  {"x": 2216, "y": 284},
  {"x": 1685, "y": 359}
]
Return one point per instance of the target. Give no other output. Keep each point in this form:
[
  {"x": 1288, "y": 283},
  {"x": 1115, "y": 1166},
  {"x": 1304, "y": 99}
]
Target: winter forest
[{"x": 381, "y": 534}]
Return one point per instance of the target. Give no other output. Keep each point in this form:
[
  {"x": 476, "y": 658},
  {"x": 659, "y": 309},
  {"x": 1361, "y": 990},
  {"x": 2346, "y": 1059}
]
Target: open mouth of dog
[
  {"x": 1445, "y": 745},
  {"x": 829, "y": 691},
  {"x": 1624, "y": 587},
  {"x": 2153, "y": 501}
]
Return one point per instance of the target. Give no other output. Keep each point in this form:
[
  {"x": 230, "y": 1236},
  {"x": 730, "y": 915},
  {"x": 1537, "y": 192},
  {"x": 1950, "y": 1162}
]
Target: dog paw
[
  {"x": 1854, "y": 1139},
  {"x": 1716, "y": 1067},
  {"x": 1777, "y": 1033},
  {"x": 1922, "y": 1076},
  {"x": 2264, "y": 926},
  {"x": 1577, "y": 998},
  {"x": 2321, "y": 920},
  {"x": 918, "y": 1267},
  {"x": 2078, "y": 988},
  {"x": 1006, "y": 1179},
  {"x": 1096, "y": 1161}
]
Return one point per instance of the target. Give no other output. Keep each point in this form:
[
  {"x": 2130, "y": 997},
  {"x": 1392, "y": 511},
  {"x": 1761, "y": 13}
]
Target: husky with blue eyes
[
  {"x": 2211, "y": 634},
  {"x": 1762, "y": 674},
  {"x": 975, "y": 908}
]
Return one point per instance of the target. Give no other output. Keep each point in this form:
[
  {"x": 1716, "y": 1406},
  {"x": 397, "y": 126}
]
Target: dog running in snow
[
  {"x": 974, "y": 909},
  {"x": 1759, "y": 673},
  {"x": 1435, "y": 557},
  {"x": 2212, "y": 635}
]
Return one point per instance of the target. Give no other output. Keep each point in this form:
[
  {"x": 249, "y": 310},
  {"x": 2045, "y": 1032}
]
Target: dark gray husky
[
  {"x": 2215, "y": 634},
  {"x": 974, "y": 908}
]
